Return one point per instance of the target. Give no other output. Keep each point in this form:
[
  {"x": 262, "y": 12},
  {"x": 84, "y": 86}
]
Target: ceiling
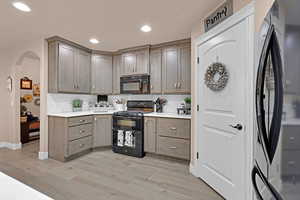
[{"x": 115, "y": 23}]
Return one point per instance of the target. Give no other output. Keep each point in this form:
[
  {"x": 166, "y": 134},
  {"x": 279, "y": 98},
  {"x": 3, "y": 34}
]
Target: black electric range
[{"x": 128, "y": 128}]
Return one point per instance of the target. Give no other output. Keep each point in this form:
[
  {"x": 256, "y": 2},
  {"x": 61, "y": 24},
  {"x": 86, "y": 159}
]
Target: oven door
[{"x": 135, "y": 84}]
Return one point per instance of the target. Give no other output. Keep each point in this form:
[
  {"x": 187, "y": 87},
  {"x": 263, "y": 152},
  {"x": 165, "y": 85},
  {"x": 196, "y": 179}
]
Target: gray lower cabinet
[
  {"x": 117, "y": 60},
  {"x": 102, "y": 74},
  {"x": 173, "y": 137},
  {"x": 150, "y": 134},
  {"x": 176, "y": 69},
  {"x": 102, "y": 131},
  {"x": 155, "y": 71},
  {"x": 69, "y": 69},
  {"x": 69, "y": 136}
]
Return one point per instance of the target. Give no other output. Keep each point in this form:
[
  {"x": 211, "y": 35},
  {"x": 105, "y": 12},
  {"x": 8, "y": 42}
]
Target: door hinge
[
  {"x": 197, "y": 107},
  {"x": 197, "y": 155},
  {"x": 198, "y": 60}
]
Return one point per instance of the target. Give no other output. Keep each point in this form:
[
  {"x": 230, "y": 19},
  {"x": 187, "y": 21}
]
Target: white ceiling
[{"x": 115, "y": 23}]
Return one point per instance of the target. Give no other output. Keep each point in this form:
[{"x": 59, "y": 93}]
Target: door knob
[{"x": 238, "y": 127}]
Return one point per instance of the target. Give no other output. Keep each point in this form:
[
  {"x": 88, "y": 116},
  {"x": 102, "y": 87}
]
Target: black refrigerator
[{"x": 276, "y": 170}]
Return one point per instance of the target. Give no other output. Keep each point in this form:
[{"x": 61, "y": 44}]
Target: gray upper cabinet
[
  {"x": 155, "y": 71},
  {"x": 102, "y": 131},
  {"x": 66, "y": 68},
  {"x": 69, "y": 69},
  {"x": 83, "y": 72},
  {"x": 176, "y": 69},
  {"x": 117, "y": 60},
  {"x": 135, "y": 62},
  {"x": 102, "y": 74}
]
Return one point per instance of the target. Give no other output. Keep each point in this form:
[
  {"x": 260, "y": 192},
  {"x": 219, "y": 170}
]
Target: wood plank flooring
[{"x": 105, "y": 175}]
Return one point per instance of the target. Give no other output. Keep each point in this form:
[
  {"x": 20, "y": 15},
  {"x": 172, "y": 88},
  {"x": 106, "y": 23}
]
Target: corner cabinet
[
  {"x": 102, "y": 131},
  {"x": 176, "y": 69},
  {"x": 102, "y": 74},
  {"x": 69, "y": 69},
  {"x": 117, "y": 60},
  {"x": 135, "y": 62}
]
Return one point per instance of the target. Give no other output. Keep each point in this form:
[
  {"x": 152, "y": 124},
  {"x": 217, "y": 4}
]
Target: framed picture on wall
[
  {"x": 36, "y": 90},
  {"x": 26, "y": 84}
]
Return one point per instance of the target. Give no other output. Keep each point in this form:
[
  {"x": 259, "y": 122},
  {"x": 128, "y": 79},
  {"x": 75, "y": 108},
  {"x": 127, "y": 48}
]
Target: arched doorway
[{"x": 27, "y": 101}]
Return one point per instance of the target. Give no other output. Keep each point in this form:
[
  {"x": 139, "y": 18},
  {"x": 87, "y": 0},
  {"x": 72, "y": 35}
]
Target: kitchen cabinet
[
  {"x": 176, "y": 69},
  {"x": 102, "y": 131},
  {"x": 117, "y": 60},
  {"x": 173, "y": 137},
  {"x": 70, "y": 137},
  {"x": 155, "y": 71},
  {"x": 69, "y": 69},
  {"x": 150, "y": 135},
  {"x": 102, "y": 74},
  {"x": 135, "y": 62}
]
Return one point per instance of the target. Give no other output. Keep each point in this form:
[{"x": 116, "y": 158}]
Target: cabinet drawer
[
  {"x": 80, "y": 145},
  {"x": 74, "y": 121},
  {"x": 291, "y": 139},
  {"x": 179, "y": 128},
  {"x": 76, "y": 132},
  {"x": 291, "y": 162},
  {"x": 174, "y": 147}
]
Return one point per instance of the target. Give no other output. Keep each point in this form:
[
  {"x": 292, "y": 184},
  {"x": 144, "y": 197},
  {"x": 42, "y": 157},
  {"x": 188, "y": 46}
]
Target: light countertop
[
  {"x": 86, "y": 113},
  {"x": 13, "y": 189}
]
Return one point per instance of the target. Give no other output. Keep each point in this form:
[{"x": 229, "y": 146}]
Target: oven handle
[{"x": 257, "y": 172}]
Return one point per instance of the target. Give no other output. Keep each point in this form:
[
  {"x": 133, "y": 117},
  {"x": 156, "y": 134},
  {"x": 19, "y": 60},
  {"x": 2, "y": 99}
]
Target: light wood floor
[{"x": 105, "y": 175}]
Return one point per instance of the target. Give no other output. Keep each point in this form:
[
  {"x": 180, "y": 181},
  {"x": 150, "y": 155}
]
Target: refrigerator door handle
[
  {"x": 271, "y": 47},
  {"x": 256, "y": 172}
]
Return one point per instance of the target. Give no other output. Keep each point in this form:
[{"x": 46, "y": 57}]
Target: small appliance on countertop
[{"x": 128, "y": 128}]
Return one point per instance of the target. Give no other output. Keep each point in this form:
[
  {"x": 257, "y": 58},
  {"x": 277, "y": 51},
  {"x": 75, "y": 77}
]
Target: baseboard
[
  {"x": 194, "y": 171},
  {"x": 11, "y": 146},
  {"x": 43, "y": 155}
]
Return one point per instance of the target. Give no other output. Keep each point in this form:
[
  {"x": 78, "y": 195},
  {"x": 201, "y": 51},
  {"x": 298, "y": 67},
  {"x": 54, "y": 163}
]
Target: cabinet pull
[
  {"x": 82, "y": 120},
  {"x": 151, "y": 86},
  {"x": 291, "y": 162},
  {"x": 175, "y": 85},
  {"x": 179, "y": 85},
  {"x": 82, "y": 131},
  {"x": 172, "y": 147},
  {"x": 81, "y": 145},
  {"x": 173, "y": 128}
]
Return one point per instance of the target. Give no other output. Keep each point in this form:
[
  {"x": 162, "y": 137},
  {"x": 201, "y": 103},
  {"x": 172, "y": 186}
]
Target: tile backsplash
[{"x": 59, "y": 103}]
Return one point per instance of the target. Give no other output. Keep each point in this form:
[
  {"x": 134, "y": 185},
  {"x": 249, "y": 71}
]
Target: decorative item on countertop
[
  {"x": 77, "y": 105},
  {"x": 119, "y": 104},
  {"x": 185, "y": 108},
  {"x": 26, "y": 84},
  {"x": 216, "y": 77},
  {"x": 159, "y": 103}
]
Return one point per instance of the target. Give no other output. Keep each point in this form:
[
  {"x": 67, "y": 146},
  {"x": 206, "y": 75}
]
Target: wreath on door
[{"x": 216, "y": 77}]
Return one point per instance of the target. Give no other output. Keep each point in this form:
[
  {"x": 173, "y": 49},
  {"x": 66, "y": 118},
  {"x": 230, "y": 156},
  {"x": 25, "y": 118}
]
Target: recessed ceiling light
[
  {"x": 21, "y": 6},
  {"x": 94, "y": 41},
  {"x": 146, "y": 28}
]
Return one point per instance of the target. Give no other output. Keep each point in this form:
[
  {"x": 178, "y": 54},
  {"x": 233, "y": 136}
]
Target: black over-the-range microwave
[{"x": 135, "y": 84}]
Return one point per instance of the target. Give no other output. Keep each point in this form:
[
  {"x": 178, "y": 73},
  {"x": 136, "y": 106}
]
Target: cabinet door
[
  {"x": 102, "y": 74},
  {"x": 184, "y": 70},
  {"x": 102, "y": 131},
  {"x": 150, "y": 135},
  {"x": 116, "y": 74},
  {"x": 142, "y": 62},
  {"x": 83, "y": 69},
  {"x": 155, "y": 71},
  {"x": 128, "y": 63},
  {"x": 170, "y": 70},
  {"x": 66, "y": 68}
]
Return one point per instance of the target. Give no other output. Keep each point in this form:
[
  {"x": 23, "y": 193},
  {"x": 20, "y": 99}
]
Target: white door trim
[{"x": 247, "y": 13}]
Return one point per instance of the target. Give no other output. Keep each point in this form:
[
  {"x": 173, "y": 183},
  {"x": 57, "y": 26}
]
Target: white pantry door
[{"x": 222, "y": 148}]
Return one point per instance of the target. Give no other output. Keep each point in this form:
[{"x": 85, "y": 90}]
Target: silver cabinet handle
[
  {"x": 82, "y": 120},
  {"x": 82, "y": 131},
  {"x": 81, "y": 145},
  {"x": 172, "y": 147},
  {"x": 151, "y": 86},
  {"x": 173, "y": 128},
  {"x": 179, "y": 85},
  {"x": 175, "y": 85}
]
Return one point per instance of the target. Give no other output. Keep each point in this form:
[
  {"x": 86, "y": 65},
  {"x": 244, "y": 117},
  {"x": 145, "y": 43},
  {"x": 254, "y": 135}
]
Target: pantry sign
[{"x": 219, "y": 15}]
